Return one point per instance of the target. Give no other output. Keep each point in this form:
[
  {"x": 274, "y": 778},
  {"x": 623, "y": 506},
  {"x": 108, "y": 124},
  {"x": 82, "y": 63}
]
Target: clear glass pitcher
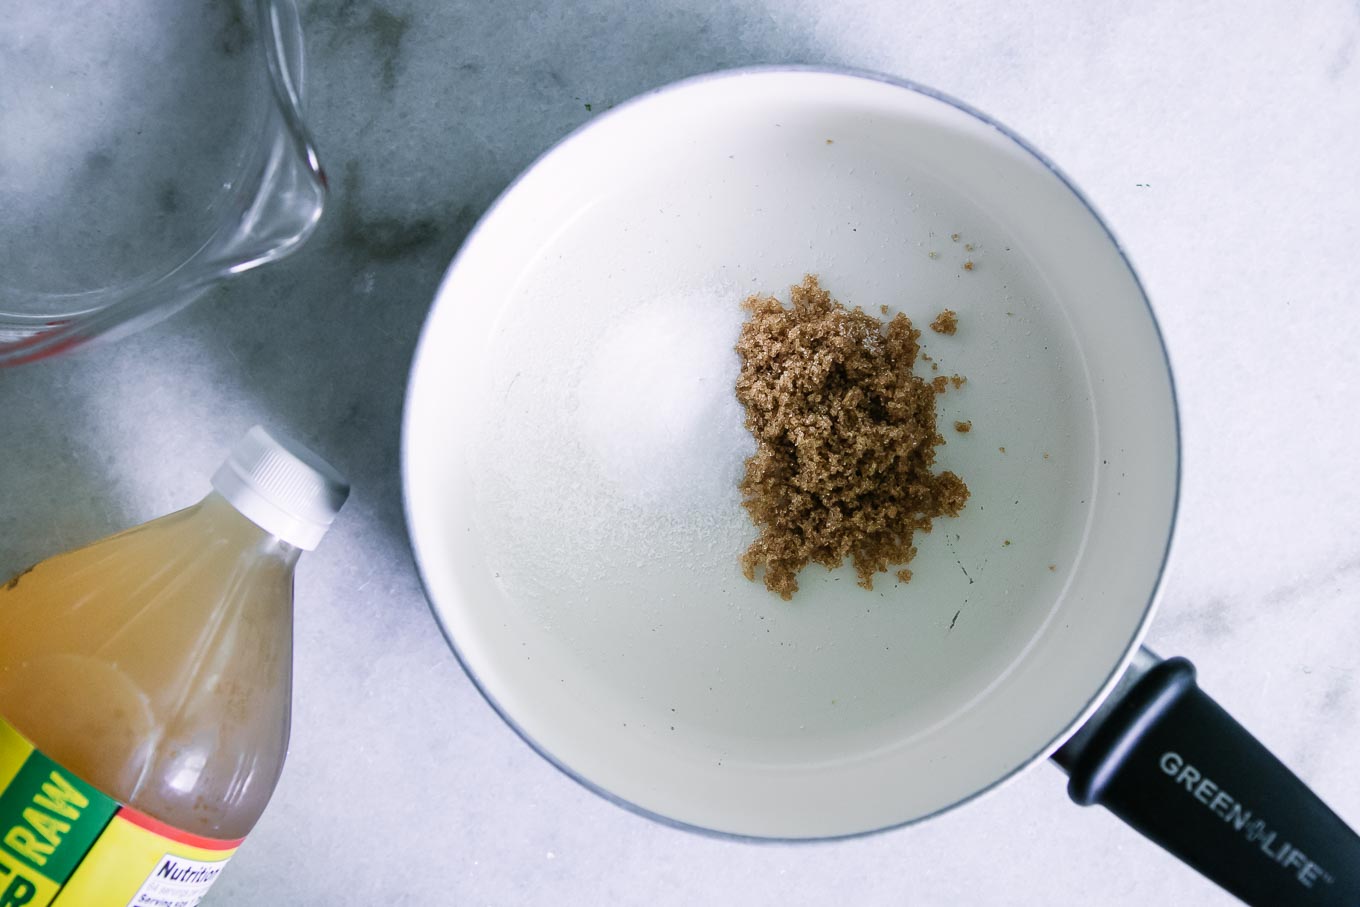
[{"x": 148, "y": 150}]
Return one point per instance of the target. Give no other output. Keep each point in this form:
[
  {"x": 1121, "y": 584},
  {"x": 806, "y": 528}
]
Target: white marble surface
[{"x": 1221, "y": 141}]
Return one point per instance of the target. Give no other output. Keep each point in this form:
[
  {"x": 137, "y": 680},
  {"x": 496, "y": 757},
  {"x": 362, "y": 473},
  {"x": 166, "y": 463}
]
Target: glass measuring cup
[{"x": 148, "y": 150}]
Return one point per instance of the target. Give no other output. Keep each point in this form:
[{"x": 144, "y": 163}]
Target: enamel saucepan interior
[{"x": 572, "y": 449}]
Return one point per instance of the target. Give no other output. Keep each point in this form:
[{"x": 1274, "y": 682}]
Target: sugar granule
[{"x": 947, "y": 322}]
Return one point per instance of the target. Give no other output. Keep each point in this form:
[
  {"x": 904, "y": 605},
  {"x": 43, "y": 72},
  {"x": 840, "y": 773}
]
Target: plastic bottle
[{"x": 145, "y": 686}]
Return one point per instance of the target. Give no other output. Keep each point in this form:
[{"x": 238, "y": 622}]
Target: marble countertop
[{"x": 1221, "y": 142}]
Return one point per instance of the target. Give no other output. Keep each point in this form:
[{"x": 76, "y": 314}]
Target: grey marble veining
[{"x": 1221, "y": 142}]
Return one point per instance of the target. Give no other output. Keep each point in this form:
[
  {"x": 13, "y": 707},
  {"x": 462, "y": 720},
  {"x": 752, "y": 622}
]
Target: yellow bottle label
[{"x": 65, "y": 844}]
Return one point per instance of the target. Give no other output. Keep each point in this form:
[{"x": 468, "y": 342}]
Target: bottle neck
[{"x": 223, "y": 520}]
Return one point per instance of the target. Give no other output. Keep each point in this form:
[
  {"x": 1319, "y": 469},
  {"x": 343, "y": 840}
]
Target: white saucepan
[{"x": 572, "y": 449}]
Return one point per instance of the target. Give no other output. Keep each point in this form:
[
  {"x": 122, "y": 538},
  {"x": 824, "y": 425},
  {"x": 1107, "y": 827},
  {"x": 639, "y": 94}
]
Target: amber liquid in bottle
[{"x": 157, "y": 665}]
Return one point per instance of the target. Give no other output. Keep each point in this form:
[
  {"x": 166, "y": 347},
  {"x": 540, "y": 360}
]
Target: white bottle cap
[{"x": 282, "y": 487}]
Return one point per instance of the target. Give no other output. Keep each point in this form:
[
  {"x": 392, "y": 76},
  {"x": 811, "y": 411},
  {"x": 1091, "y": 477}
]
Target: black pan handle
[{"x": 1166, "y": 759}]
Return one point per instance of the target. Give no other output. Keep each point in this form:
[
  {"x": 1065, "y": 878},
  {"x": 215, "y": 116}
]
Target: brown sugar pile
[{"x": 845, "y": 439}]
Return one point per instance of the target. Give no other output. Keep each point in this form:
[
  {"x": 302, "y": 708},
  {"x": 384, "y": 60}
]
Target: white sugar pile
[
  {"x": 615, "y": 445},
  {"x": 655, "y": 408}
]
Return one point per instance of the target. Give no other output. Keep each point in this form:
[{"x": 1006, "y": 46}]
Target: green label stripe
[{"x": 49, "y": 818}]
